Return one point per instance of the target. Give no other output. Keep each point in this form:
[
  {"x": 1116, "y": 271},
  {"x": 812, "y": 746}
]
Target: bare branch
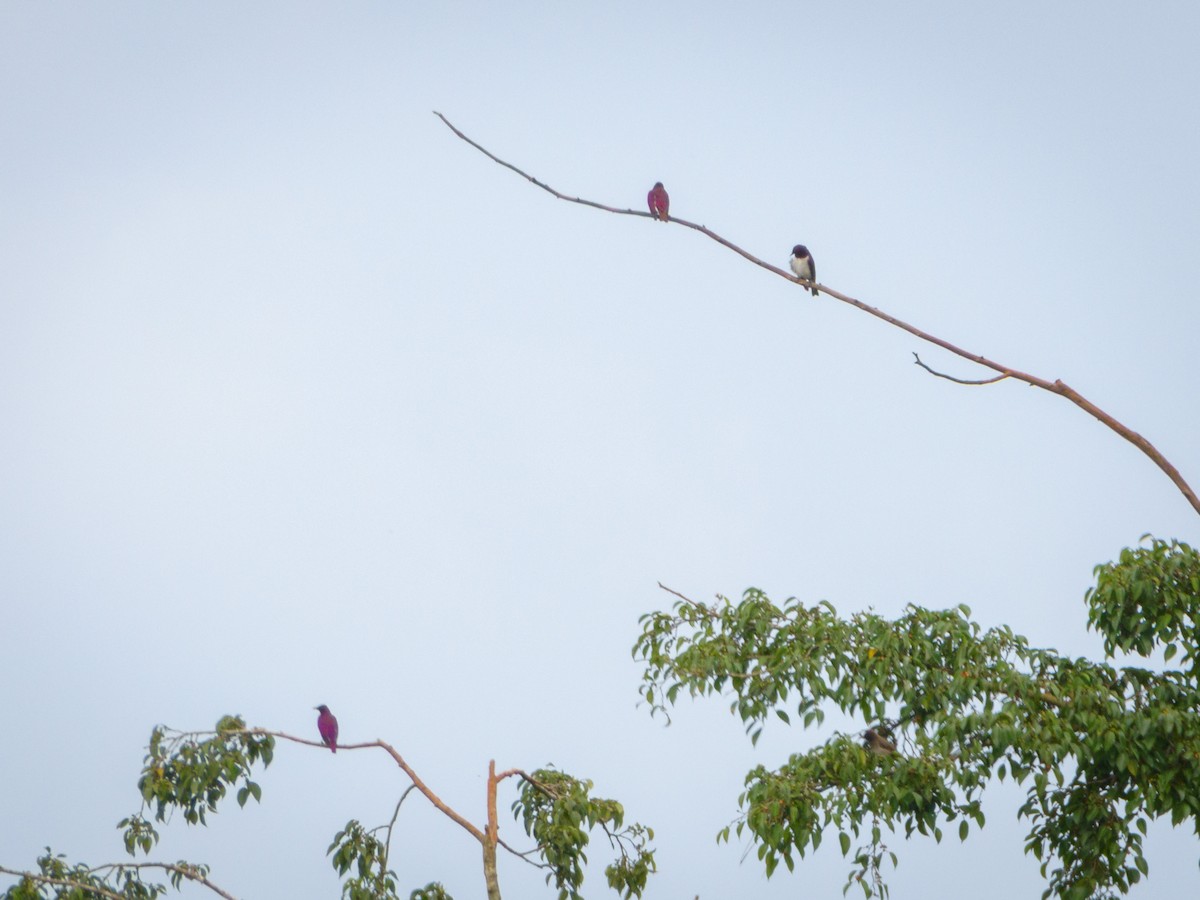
[
  {"x": 1055, "y": 387},
  {"x": 391, "y": 751},
  {"x": 387, "y": 846},
  {"x": 952, "y": 378},
  {"x": 424, "y": 789},
  {"x": 525, "y": 855},
  {"x": 542, "y": 185}
]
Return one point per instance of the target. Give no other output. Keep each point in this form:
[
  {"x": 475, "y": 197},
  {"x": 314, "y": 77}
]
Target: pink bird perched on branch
[
  {"x": 658, "y": 201},
  {"x": 327, "y": 725}
]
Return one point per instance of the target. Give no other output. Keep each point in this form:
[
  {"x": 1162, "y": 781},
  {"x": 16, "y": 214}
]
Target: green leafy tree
[
  {"x": 193, "y": 772},
  {"x": 558, "y": 812},
  {"x": 946, "y": 707}
]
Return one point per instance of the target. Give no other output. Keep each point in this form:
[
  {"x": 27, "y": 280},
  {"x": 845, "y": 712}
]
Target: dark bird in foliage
[
  {"x": 327, "y": 725},
  {"x": 659, "y": 201},
  {"x": 877, "y": 743},
  {"x": 804, "y": 267}
]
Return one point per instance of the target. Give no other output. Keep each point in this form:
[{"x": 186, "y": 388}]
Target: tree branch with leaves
[{"x": 1101, "y": 749}]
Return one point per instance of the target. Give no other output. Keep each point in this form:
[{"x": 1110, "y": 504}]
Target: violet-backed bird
[
  {"x": 327, "y": 725},
  {"x": 658, "y": 201},
  {"x": 804, "y": 267}
]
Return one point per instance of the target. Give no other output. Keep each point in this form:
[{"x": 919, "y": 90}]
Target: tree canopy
[{"x": 1101, "y": 748}]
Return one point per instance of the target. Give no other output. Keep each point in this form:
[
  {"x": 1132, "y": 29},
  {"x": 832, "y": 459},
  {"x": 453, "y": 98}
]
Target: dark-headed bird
[
  {"x": 659, "y": 201},
  {"x": 804, "y": 267},
  {"x": 327, "y": 725}
]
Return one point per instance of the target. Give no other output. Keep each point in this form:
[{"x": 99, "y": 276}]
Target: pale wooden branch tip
[{"x": 681, "y": 596}]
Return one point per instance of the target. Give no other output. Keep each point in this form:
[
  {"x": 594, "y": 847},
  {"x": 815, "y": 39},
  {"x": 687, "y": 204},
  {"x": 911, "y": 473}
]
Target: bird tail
[{"x": 813, "y": 288}]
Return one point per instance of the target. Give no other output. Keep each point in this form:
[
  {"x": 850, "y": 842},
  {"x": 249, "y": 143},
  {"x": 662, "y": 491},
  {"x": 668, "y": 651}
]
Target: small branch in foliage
[{"x": 62, "y": 882}]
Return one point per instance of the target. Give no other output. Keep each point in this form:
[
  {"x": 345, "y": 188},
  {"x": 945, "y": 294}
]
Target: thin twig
[
  {"x": 387, "y": 846},
  {"x": 542, "y": 185},
  {"x": 1055, "y": 387},
  {"x": 525, "y": 855},
  {"x": 952, "y": 378},
  {"x": 699, "y": 606}
]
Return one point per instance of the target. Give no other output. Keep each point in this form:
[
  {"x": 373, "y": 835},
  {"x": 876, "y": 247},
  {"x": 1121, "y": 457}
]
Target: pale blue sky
[{"x": 305, "y": 401}]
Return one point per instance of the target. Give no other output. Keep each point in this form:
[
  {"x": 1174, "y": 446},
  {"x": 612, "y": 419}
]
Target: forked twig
[
  {"x": 918, "y": 362},
  {"x": 1055, "y": 387}
]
